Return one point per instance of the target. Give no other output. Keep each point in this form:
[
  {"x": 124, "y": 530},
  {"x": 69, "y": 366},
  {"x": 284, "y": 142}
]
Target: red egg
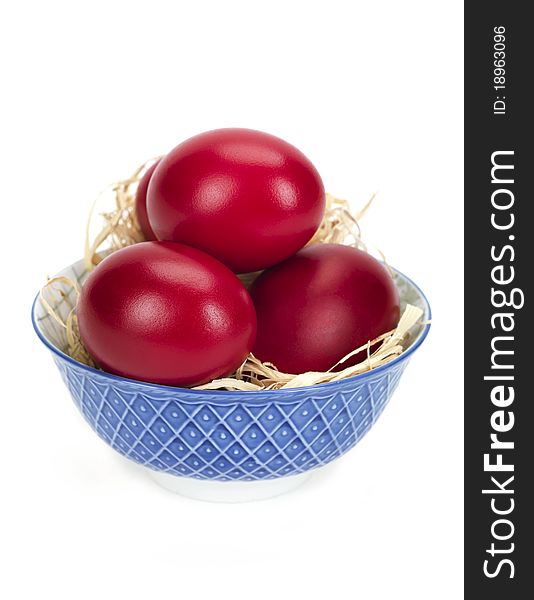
[
  {"x": 166, "y": 313},
  {"x": 140, "y": 204},
  {"x": 247, "y": 198},
  {"x": 319, "y": 305}
]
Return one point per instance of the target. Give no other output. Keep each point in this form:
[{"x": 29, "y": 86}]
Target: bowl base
[{"x": 228, "y": 491}]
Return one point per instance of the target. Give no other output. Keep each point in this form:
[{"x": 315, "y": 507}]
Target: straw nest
[{"x": 120, "y": 229}]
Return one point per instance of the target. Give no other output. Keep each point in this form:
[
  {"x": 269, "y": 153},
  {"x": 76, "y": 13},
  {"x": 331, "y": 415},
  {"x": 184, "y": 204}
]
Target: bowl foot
[{"x": 228, "y": 491}]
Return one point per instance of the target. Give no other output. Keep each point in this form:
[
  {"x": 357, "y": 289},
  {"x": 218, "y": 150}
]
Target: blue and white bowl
[{"x": 227, "y": 445}]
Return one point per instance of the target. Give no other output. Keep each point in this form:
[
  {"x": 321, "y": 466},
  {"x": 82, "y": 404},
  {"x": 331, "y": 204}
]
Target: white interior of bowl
[{"x": 56, "y": 334}]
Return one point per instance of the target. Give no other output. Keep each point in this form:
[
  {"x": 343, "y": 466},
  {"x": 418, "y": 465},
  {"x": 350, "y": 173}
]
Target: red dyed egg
[
  {"x": 247, "y": 198},
  {"x": 166, "y": 313},
  {"x": 319, "y": 305},
  {"x": 140, "y": 204}
]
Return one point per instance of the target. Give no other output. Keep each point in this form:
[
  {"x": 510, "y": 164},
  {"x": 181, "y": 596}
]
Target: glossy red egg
[
  {"x": 166, "y": 313},
  {"x": 140, "y": 204},
  {"x": 319, "y": 305},
  {"x": 247, "y": 198}
]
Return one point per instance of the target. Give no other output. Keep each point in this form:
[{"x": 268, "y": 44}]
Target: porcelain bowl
[{"x": 227, "y": 436}]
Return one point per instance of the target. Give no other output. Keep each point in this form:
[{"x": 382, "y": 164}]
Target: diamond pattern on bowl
[{"x": 204, "y": 435}]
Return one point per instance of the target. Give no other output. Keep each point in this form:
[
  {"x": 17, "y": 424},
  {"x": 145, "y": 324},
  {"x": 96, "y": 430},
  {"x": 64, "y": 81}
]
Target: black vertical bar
[{"x": 499, "y": 254}]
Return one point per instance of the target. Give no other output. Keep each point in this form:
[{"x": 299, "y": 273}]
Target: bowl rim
[{"x": 233, "y": 395}]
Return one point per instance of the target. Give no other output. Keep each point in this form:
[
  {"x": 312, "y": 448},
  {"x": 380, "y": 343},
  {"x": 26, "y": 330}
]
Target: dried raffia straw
[
  {"x": 121, "y": 227},
  {"x": 75, "y": 348},
  {"x": 339, "y": 226},
  {"x": 253, "y": 374}
]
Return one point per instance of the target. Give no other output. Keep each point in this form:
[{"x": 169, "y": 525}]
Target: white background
[{"x": 372, "y": 93}]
